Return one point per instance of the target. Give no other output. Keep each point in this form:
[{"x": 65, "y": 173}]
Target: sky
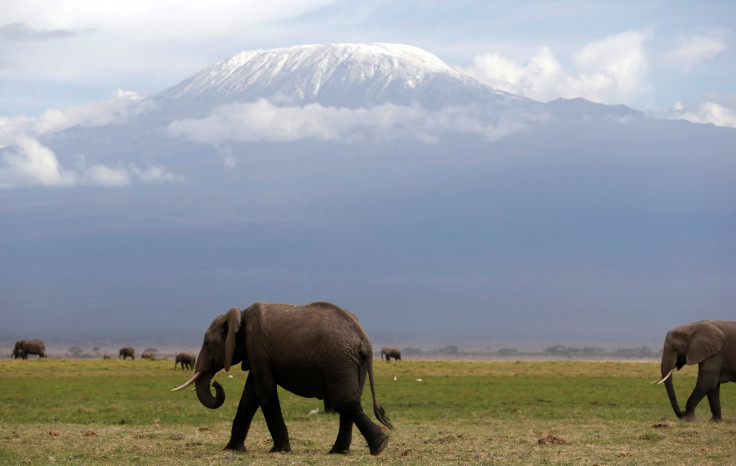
[
  {"x": 668, "y": 58},
  {"x": 623, "y": 227}
]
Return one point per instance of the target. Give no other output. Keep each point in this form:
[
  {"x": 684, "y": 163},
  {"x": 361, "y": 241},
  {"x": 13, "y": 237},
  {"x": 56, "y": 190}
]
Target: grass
[{"x": 114, "y": 411}]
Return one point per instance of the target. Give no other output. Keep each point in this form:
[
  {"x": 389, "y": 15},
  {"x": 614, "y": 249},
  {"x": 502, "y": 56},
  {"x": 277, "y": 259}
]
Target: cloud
[
  {"x": 143, "y": 18},
  {"x": 19, "y": 32},
  {"x": 611, "y": 71},
  {"x": 537, "y": 78},
  {"x": 264, "y": 121},
  {"x": 695, "y": 50},
  {"x": 116, "y": 110},
  {"x": 30, "y": 163},
  {"x": 154, "y": 175},
  {"x": 25, "y": 161},
  {"x": 101, "y": 175},
  {"x": 708, "y": 112}
]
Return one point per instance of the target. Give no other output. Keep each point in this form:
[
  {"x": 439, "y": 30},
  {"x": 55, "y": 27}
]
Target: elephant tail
[{"x": 377, "y": 409}]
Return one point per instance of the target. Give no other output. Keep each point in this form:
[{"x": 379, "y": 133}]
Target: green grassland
[{"x": 461, "y": 412}]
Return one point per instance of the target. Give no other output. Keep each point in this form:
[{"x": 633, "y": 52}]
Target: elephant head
[
  {"x": 219, "y": 350},
  {"x": 689, "y": 344}
]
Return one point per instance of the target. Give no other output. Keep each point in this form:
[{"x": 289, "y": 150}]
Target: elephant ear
[
  {"x": 232, "y": 321},
  {"x": 706, "y": 340}
]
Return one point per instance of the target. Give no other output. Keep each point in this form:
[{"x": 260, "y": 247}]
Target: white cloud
[
  {"x": 31, "y": 163},
  {"x": 709, "y": 112},
  {"x": 101, "y": 175},
  {"x": 154, "y": 175},
  {"x": 27, "y": 162},
  {"x": 536, "y": 79},
  {"x": 612, "y": 71},
  {"x": 695, "y": 50},
  {"x": 95, "y": 114},
  {"x": 264, "y": 121},
  {"x": 144, "y": 18}
]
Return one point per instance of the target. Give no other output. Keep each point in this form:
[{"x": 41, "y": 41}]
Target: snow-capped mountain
[{"x": 339, "y": 75}]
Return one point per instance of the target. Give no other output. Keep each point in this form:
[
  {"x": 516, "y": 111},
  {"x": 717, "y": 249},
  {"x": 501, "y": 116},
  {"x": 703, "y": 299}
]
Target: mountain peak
[{"x": 343, "y": 75}]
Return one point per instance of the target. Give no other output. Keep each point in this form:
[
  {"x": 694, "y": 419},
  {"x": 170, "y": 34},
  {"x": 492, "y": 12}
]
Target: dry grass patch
[{"x": 461, "y": 412}]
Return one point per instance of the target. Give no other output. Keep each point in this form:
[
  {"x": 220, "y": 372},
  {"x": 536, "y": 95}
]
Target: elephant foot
[
  {"x": 281, "y": 449},
  {"x": 716, "y": 419},
  {"x": 340, "y": 451},
  {"x": 689, "y": 417},
  {"x": 235, "y": 447},
  {"x": 378, "y": 447}
]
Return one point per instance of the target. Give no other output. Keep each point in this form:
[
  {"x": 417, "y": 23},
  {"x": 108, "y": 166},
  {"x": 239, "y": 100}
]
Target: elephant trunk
[
  {"x": 670, "y": 361},
  {"x": 673, "y": 398},
  {"x": 202, "y": 385}
]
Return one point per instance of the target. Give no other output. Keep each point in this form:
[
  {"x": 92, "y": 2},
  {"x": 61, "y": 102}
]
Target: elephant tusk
[
  {"x": 665, "y": 377},
  {"x": 188, "y": 383}
]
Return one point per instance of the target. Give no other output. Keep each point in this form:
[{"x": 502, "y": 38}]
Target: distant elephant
[
  {"x": 147, "y": 355},
  {"x": 317, "y": 351},
  {"x": 25, "y": 347},
  {"x": 126, "y": 353},
  {"x": 712, "y": 345},
  {"x": 390, "y": 352},
  {"x": 186, "y": 359}
]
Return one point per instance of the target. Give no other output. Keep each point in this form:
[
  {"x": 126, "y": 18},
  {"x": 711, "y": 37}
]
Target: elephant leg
[
  {"x": 714, "y": 399},
  {"x": 241, "y": 424},
  {"x": 268, "y": 398},
  {"x": 344, "y": 436},
  {"x": 706, "y": 384},
  {"x": 372, "y": 433}
]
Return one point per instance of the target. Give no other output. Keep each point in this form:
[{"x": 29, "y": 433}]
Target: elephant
[
  {"x": 391, "y": 352},
  {"x": 147, "y": 355},
  {"x": 710, "y": 344},
  {"x": 126, "y": 353},
  {"x": 186, "y": 359},
  {"x": 317, "y": 350},
  {"x": 25, "y": 347}
]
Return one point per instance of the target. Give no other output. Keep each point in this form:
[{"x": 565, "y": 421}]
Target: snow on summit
[{"x": 343, "y": 75}]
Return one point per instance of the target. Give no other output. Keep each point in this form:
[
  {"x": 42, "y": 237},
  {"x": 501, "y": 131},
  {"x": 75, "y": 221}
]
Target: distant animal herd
[
  {"x": 25, "y": 347},
  {"x": 313, "y": 350}
]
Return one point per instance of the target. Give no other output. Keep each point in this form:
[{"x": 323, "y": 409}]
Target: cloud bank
[
  {"x": 613, "y": 70},
  {"x": 695, "y": 50},
  {"x": 609, "y": 71},
  {"x": 264, "y": 121},
  {"x": 709, "y": 112},
  {"x": 25, "y": 161}
]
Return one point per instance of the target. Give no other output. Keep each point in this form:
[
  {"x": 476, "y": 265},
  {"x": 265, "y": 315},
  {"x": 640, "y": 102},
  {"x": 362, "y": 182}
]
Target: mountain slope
[{"x": 341, "y": 75}]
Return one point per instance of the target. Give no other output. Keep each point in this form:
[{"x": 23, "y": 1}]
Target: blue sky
[{"x": 669, "y": 58}]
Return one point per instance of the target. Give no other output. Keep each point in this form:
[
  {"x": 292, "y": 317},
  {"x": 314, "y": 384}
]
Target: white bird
[
  {"x": 314, "y": 411},
  {"x": 419, "y": 380},
  {"x": 394, "y": 378}
]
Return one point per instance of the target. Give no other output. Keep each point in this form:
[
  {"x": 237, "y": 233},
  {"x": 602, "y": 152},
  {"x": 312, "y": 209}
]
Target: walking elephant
[
  {"x": 186, "y": 359},
  {"x": 126, "y": 353},
  {"x": 390, "y": 352},
  {"x": 25, "y": 347},
  {"x": 710, "y": 344},
  {"x": 147, "y": 355},
  {"x": 316, "y": 351}
]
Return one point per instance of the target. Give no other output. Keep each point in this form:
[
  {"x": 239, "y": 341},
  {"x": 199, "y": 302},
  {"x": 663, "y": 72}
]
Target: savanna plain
[{"x": 85, "y": 411}]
